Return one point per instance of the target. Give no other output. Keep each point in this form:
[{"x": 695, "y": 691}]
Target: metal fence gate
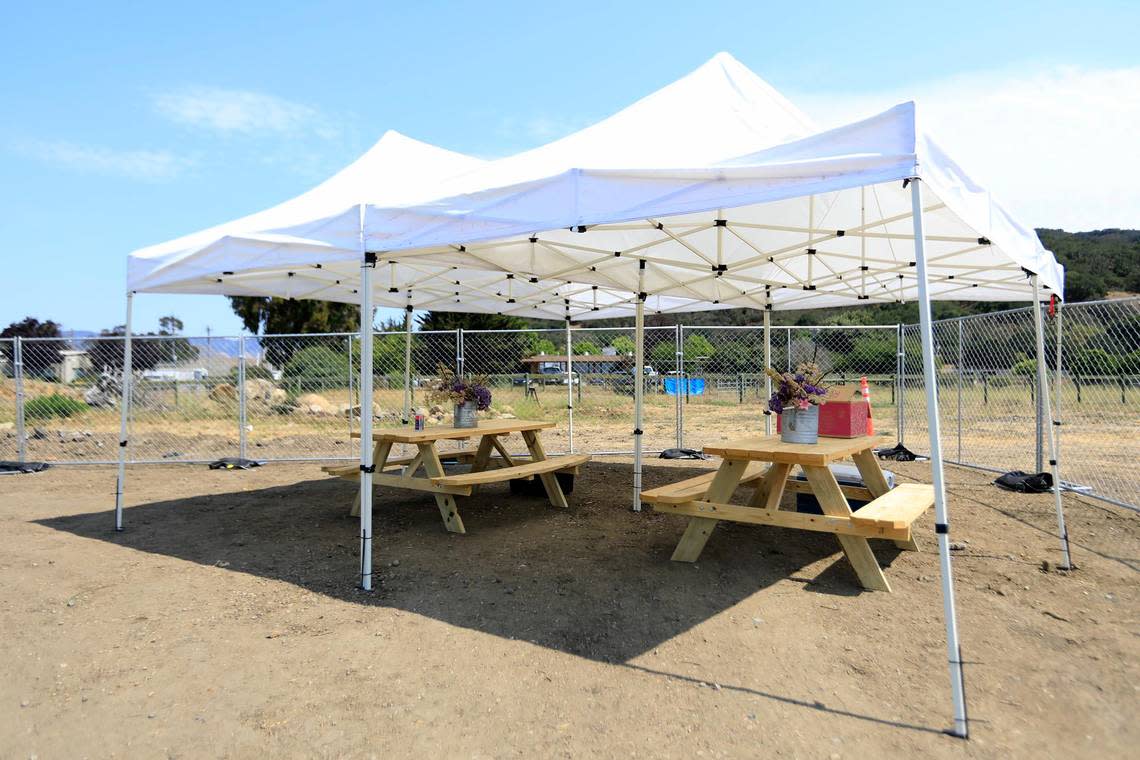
[{"x": 295, "y": 397}]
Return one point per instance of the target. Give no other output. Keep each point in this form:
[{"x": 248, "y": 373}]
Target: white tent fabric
[
  {"x": 397, "y": 170},
  {"x": 823, "y": 221},
  {"x": 309, "y": 246}
]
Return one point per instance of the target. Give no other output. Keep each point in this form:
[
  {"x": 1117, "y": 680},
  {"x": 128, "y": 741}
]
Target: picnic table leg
[
  {"x": 771, "y": 487},
  {"x": 549, "y": 482},
  {"x": 508, "y": 460},
  {"x": 700, "y": 528},
  {"x": 482, "y": 457},
  {"x": 379, "y": 457},
  {"x": 445, "y": 501},
  {"x": 876, "y": 483},
  {"x": 858, "y": 551}
]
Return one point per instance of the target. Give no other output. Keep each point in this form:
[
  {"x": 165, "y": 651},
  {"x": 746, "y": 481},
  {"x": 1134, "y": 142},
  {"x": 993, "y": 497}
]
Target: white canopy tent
[{"x": 692, "y": 199}]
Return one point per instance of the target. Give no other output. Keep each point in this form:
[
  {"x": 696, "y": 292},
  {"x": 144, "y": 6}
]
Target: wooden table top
[
  {"x": 406, "y": 433},
  {"x": 769, "y": 448}
]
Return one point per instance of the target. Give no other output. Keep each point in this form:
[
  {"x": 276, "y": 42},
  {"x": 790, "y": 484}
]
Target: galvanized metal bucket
[
  {"x": 465, "y": 415},
  {"x": 800, "y": 425}
]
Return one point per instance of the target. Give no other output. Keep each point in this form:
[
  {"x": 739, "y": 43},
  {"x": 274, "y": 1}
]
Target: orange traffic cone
[{"x": 867, "y": 397}]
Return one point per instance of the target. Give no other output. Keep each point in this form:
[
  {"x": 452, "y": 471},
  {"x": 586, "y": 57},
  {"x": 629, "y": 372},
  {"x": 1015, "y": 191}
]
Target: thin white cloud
[
  {"x": 518, "y": 133},
  {"x": 242, "y": 112},
  {"x": 146, "y": 165},
  {"x": 1056, "y": 145}
]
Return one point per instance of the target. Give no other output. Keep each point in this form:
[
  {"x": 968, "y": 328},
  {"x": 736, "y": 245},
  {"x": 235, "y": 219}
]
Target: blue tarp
[{"x": 696, "y": 386}]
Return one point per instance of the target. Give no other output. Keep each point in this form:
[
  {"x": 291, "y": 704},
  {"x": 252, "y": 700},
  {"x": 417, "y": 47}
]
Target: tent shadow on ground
[{"x": 594, "y": 581}]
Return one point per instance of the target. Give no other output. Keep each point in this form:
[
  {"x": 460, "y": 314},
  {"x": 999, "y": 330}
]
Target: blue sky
[{"x": 129, "y": 124}]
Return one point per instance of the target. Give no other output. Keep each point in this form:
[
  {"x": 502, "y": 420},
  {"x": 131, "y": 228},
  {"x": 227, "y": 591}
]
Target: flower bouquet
[
  {"x": 796, "y": 399},
  {"x": 468, "y": 396}
]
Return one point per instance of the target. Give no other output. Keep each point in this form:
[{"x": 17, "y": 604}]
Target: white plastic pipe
[
  {"x": 124, "y": 416},
  {"x": 941, "y": 514},
  {"x": 366, "y": 462},
  {"x": 767, "y": 364},
  {"x": 1048, "y": 422}
]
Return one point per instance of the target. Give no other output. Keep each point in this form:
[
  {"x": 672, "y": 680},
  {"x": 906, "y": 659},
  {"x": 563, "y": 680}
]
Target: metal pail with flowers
[
  {"x": 796, "y": 398},
  {"x": 800, "y": 425},
  {"x": 469, "y": 395}
]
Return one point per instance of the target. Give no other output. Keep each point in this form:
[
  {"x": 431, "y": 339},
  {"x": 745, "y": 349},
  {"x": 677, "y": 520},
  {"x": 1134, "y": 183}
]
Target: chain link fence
[
  {"x": 295, "y": 397},
  {"x": 990, "y": 407}
]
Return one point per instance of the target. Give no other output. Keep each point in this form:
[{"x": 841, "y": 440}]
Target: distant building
[
  {"x": 73, "y": 364},
  {"x": 586, "y": 363}
]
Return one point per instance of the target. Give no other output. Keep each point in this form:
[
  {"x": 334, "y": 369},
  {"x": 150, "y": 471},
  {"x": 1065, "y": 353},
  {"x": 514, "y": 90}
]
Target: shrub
[
  {"x": 586, "y": 347},
  {"x": 252, "y": 372},
  {"x": 318, "y": 363},
  {"x": 1025, "y": 367},
  {"x": 55, "y": 405}
]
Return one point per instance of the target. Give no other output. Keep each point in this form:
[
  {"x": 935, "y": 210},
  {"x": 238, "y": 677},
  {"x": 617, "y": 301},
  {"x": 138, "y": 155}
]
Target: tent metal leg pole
[
  {"x": 18, "y": 372},
  {"x": 1049, "y": 422},
  {"x": 638, "y": 392},
  {"x": 407, "y": 366},
  {"x": 941, "y": 515},
  {"x": 366, "y": 463},
  {"x": 569, "y": 382},
  {"x": 767, "y": 364},
  {"x": 124, "y": 415}
]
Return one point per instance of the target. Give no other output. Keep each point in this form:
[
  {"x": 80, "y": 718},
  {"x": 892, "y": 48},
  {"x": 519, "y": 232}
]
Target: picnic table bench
[
  {"x": 765, "y": 463},
  {"x": 485, "y": 467}
]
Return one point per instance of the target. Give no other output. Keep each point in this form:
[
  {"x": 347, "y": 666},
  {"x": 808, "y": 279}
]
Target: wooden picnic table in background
[
  {"x": 765, "y": 463},
  {"x": 486, "y": 468}
]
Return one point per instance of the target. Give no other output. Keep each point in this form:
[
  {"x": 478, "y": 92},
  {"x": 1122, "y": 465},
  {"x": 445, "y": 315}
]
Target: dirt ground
[{"x": 224, "y": 622}]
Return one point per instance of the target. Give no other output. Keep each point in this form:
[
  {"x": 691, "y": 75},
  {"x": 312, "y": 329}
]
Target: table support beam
[
  {"x": 857, "y": 550},
  {"x": 445, "y": 501},
  {"x": 700, "y": 528}
]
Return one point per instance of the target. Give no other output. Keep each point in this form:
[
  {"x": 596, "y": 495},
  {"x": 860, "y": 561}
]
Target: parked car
[{"x": 546, "y": 375}]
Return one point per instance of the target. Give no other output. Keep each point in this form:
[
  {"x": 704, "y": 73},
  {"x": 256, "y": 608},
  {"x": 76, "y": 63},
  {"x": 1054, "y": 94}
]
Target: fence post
[
  {"x": 900, "y": 375},
  {"x": 788, "y": 350},
  {"x": 459, "y": 351},
  {"x": 682, "y": 384},
  {"x": 241, "y": 397},
  {"x": 960, "y": 391},
  {"x": 21, "y": 432},
  {"x": 350, "y": 383},
  {"x": 1035, "y": 397},
  {"x": 1039, "y": 405}
]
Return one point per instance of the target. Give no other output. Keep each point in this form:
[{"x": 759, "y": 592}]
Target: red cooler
[{"x": 844, "y": 414}]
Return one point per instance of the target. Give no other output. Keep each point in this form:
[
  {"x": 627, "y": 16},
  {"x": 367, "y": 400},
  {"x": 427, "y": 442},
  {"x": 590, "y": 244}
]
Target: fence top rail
[
  {"x": 790, "y": 327},
  {"x": 1126, "y": 301}
]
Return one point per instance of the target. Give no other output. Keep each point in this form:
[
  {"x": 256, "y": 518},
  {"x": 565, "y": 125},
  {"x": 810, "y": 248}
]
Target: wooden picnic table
[
  {"x": 485, "y": 467},
  {"x": 765, "y": 463}
]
